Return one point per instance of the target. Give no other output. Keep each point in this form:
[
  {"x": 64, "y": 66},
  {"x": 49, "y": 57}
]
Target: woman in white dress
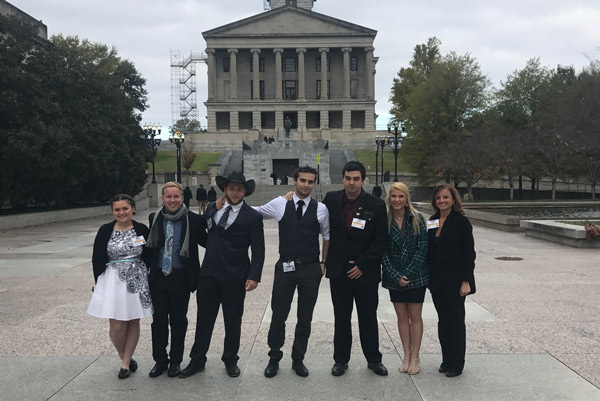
[{"x": 121, "y": 294}]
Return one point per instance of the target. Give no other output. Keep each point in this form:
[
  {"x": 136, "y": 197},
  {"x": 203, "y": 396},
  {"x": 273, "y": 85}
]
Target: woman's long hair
[
  {"x": 456, "y": 204},
  {"x": 399, "y": 186}
]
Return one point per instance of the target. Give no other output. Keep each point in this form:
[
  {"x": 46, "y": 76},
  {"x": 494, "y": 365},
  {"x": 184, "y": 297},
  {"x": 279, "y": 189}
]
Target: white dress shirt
[
  {"x": 233, "y": 214},
  {"x": 276, "y": 208}
]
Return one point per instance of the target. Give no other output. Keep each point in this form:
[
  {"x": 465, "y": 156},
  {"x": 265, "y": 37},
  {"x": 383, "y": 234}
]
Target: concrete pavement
[{"x": 533, "y": 331}]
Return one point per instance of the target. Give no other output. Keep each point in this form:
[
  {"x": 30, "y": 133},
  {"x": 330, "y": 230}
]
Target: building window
[
  {"x": 319, "y": 89},
  {"x": 290, "y": 64},
  {"x": 261, "y": 65},
  {"x": 289, "y": 88},
  {"x": 261, "y": 88},
  {"x": 319, "y": 64},
  {"x": 353, "y": 63},
  {"x": 225, "y": 64}
]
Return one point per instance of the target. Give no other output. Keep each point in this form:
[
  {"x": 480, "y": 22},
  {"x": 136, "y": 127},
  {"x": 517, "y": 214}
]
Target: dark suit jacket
[
  {"x": 100, "y": 253},
  {"x": 226, "y": 256},
  {"x": 191, "y": 264},
  {"x": 363, "y": 246},
  {"x": 452, "y": 258}
]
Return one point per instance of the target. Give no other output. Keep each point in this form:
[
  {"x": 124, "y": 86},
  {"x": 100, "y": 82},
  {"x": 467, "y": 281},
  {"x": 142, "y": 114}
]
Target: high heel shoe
[{"x": 413, "y": 370}]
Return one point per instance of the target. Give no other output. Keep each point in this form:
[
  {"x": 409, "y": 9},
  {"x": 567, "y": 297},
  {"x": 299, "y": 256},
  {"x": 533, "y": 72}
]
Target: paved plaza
[{"x": 533, "y": 331}]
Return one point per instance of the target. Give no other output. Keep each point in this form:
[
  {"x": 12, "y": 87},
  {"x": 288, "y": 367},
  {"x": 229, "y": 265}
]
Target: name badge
[
  {"x": 209, "y": 223},
  {"x": 358, "y": 223},
  {"x": 433, "y": 224},
  {"x": 139, "y": 241},
  {"x": 289, "y": 267}
]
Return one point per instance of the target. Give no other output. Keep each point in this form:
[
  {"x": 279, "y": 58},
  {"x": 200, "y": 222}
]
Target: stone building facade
[
  {"x": 291, "y": 62},
  {"x": 8, "y": 9}
]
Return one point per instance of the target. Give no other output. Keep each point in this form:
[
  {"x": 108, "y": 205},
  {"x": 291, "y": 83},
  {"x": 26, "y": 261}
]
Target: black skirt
[{"x": 411, "y": 296}]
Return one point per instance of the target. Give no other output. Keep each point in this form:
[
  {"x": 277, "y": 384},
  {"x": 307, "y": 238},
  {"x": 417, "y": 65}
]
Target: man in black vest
[
  {"x": 175, "y": 234},
  {"x": 359, "y": 231},
  {"x": 227, "y": 272},
  {"x": 300, "y": 222}
]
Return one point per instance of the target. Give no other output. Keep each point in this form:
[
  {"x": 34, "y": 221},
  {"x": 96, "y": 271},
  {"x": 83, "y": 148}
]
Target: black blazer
[
  {"x": 191, "y": 264},
  {"x": 451, "y": 258},
  {"x": 363, "y": 246},
  {"x": 100, "y": 253},
  {"x": 226, "y": 256}
]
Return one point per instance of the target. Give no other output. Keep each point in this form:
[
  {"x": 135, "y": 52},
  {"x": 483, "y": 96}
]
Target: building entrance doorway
[{"x": 284, "y": 169}]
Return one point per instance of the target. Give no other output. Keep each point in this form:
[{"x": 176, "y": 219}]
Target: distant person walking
[
  {"x": 451, "y": 261},
  {"x": 121, "y": 294},
  {"x": 187, "y": 196},
  {"x": 211, "y": 197},
  {"x": 201, "y": 198},
  {"x": 405, "y": 272}
]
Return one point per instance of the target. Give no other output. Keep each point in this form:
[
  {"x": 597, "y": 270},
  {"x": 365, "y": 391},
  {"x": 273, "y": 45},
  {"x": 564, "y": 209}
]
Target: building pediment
[{"x": 289, "y": 21}]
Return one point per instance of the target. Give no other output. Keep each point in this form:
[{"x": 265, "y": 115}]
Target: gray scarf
[{"x": 153, "y": 238}]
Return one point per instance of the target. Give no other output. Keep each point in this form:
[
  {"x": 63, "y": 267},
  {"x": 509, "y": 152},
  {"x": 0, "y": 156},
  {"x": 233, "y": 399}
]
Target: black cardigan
[
  {"x": 451, "y": 258},
  {"x": 100, "y": 253}
]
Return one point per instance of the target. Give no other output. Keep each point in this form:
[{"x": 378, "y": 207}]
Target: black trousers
[
  {"x": 211, "y": 294},
  {"x": 344, "y": 293},
  {"x": 306, "y": 278},
  {"x": 450, "y": 308},
  {"x": 170, "y": 298}
]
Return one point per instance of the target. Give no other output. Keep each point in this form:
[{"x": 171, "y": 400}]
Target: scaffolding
[{"x": 184, "y": 102}]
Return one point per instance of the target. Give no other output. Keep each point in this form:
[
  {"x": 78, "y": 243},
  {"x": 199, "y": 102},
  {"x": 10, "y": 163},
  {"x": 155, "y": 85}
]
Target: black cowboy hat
[{"x": 236, "y": 176}]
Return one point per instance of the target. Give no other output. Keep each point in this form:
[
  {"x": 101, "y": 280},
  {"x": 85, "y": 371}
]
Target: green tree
[
  {"x": 69, "y": 120},
  {"x": 515, "y": 135},
  {"x": 186, "y": 125}
]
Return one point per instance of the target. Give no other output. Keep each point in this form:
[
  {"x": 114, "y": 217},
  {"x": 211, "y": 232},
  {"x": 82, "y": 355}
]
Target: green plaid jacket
[{"x": 406, "y": 255}]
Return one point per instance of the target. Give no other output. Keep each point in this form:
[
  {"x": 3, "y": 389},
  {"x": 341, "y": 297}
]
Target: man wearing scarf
[{"x": 175, "y": 233}]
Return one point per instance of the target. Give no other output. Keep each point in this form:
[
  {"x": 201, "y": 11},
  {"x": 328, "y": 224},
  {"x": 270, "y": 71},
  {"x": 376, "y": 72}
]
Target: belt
[{"x": 301, "y": 261}]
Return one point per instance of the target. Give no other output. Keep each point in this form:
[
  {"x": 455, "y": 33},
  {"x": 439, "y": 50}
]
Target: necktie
[
  {"x": 167, "y": 262},
  {"x": 223, "y": 220},
  {"x": 300, "y": 203}
]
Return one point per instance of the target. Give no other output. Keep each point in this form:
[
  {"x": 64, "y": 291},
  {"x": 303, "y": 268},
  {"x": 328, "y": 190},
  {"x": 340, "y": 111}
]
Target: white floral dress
[{"x": 122, "y": 291}]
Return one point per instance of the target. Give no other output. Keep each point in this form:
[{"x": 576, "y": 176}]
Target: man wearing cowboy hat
[{"x": 227, "y": 272}]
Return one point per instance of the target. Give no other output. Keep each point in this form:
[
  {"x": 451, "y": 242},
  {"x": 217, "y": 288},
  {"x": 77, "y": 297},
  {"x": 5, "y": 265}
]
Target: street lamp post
[
  {"x": 382, "y": 142},
  {"x": 396, "y": 142},
  {"x": 376, "y": 160},
  {"x": 152, "y": 131},
  {"x": 178, "y": 138}
]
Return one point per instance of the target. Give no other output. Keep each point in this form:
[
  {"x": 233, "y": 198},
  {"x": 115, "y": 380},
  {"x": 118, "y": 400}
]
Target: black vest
[{"x": 299, "y": 239}]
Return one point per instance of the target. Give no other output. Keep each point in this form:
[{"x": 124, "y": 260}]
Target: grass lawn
[
  {"x": 367, "y": 157},
  {"x": 167, "y": 161}
]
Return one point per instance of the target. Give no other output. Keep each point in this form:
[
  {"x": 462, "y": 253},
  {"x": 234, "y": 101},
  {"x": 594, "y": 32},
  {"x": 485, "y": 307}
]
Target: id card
[
  {"x": 289, "y": 267},
  {"x": 433, "y": 224},
  {"x": 358, "y": 223},
  {"x": 138, "y": 241}
]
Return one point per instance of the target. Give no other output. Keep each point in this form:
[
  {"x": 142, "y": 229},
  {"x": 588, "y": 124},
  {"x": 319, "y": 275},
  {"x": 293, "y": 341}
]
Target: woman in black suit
[
  {"x": 121, "y": 294},
  {"x": 451, "y": 260}
]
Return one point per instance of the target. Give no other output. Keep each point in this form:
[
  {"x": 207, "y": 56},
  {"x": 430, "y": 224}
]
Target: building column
[
  {"x": 211, "y": 120},
  {"x": 212, "y": 73},
  {"x": 301, "y": 121},
  {"x": 346, "y": 51},
  {"x": 234, "y": 121},
  {"x": 278, "y": 77},
  {"x": 324, "y": 51},
  {"x": 233, "y": 73},
  {"x": 256, "y": 123},
  {"x": 369, "y": 77},
  {"x": 279, "y": 124},
  {"x": 347, "y": 120},
  {"x": 301, "y": 78},
  {"x": 255, "y": 75}
]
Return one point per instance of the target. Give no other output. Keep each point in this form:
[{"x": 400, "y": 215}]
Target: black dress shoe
[
  {"x": 271, "y": 369},
  {"x": 232, "y": 369},
  {"x": 124, "y": 373},
  {"x": 443, "y": 368},
  {"x": 453, "y": 373},
  {"x": 158, "y": 369},
  {"x": 378, "y": 368},
  {"x": 300, "y": 368},
  {"x": 339, "y": 369},
  {"x": 191, "y": 369},
  {"x": 174, "y": 370},
  {"x": 133, "y": 365}
]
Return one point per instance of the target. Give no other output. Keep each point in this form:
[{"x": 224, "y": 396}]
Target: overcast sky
[{"x": 501, "y": 35}]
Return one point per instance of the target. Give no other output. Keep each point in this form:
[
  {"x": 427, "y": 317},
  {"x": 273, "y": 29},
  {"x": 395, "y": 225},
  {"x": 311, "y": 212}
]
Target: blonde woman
[{"x": 405, "y": 272}]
